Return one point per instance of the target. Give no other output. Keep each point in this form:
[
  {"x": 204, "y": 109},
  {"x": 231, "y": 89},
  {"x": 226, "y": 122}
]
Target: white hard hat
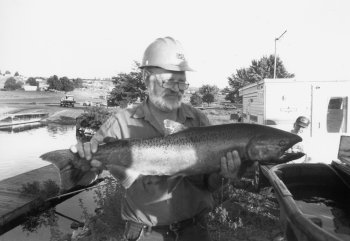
[{"x": 166, "y": 53}]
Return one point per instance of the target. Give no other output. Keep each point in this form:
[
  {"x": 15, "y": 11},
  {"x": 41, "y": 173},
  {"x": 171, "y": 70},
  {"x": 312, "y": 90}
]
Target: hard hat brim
[
  {"x": 303, "y": 125},
  {"x": 182, "y": 67}
]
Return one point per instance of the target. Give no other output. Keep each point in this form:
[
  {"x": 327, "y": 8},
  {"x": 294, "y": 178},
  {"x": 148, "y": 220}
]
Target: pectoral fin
[
  {"x": 173, "y": 182},
  {"x": 172, "y": 127},
  {"x": 126, "y": 176}
]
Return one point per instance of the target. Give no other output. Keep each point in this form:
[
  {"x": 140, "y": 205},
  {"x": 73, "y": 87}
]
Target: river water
[
  {"x": 21, "y": 147},
  {"x": 20, "y": 150}
]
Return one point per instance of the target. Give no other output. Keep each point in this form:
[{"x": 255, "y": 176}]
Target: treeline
[
  {"x": 61, "y": 84},
  {"x": 129, "y": 86},
  {"x": 257, "y": 71}
]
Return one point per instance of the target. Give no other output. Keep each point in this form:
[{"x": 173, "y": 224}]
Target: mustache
[{"x": 173, "y": 93}]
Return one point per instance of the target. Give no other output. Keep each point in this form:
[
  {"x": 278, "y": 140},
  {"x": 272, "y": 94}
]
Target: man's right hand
[{"x": 86, "y": 150}]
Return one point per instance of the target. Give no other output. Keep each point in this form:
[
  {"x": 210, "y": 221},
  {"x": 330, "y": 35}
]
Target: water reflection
[
  {"x": 55, "y": 130},
  {"x": 21, "y": 151},
  {"x": 332, "y": 212},
  {"x": 90, "y": 215},
  {"x": 50, "y": 225}
]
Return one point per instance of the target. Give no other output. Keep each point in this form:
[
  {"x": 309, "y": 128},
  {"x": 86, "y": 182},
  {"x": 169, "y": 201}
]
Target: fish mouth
[
  {"x": 291, "y": 156},
  {"x": 284, "y": 158}
]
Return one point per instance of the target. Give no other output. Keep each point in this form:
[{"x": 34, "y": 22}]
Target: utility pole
[{"x": 274, "y": 69}]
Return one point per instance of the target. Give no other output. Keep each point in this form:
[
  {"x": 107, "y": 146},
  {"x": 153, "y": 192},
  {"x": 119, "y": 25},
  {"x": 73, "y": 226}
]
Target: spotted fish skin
[{"x": 189, "y": 151}]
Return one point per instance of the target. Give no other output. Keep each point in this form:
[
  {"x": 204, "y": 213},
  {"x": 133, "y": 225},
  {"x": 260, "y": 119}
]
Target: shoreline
[{"x": 57, "y": 114}]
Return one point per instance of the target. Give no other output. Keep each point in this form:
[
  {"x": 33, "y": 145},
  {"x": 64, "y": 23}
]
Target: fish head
[{"x": 270, "y": 146}]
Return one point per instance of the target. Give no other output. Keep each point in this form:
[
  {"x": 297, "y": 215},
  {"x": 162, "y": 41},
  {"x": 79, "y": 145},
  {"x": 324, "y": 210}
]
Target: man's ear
[{"x": 145, "y": 76}]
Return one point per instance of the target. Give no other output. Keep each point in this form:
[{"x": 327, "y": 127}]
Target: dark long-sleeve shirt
[{"x": 152, "y": 200}]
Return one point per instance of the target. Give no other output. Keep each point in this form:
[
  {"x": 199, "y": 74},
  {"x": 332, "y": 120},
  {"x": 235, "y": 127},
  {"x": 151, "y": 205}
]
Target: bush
[
  {"x": 196, "y": 99},
  {"x": 90, "y": 121}
]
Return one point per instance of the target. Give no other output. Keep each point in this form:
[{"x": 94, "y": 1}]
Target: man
[
  {"x": 300, "y": 127},
  {"x": 162, "y": 207},
  {"x": 300, "y": 124}
]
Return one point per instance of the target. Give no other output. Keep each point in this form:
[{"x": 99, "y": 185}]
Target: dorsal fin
[{"x": 172, "y": 127}]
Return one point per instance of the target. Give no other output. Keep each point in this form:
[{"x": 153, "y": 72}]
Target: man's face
[
  {"x": 168, "y": 97},
  {"x": 299, "y": 129}
]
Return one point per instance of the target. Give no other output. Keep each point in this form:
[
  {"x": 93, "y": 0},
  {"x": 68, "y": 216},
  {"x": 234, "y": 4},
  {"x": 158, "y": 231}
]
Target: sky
[{"x": 99, "y": 39}]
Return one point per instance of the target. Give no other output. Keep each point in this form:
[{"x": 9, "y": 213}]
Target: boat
[
  {"x": 21, "y": 118},
  {"x": 314, "y": 198}
]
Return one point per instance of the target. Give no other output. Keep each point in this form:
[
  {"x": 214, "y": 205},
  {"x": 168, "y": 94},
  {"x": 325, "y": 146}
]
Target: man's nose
[{"x": 175, "y": 87}]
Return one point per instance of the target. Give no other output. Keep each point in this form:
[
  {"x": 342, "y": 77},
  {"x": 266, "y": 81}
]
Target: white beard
[{"x": 165, "y": 105}]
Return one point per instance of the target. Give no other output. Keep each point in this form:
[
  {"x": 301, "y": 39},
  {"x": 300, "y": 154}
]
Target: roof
[{"x": 289, "y": 80}]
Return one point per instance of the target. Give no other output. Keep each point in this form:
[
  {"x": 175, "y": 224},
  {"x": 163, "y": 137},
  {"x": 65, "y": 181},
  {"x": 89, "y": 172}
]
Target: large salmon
[{"x": 185, "y": 151}]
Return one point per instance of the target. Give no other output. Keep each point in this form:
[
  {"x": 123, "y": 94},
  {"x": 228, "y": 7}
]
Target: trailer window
[{"x": 337, "y": 114}]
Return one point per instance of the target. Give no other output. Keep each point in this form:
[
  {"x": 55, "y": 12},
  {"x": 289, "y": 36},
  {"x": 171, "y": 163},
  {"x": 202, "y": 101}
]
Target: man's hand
[
  {"x": 230, "y": 165},
  {"x": 86, "y": 150}
]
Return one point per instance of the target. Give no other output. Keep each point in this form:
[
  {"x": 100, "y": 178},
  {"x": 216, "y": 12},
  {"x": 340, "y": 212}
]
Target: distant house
[
  {"x": 30, "y": 88},
  {"x": 43, "y": 87}
]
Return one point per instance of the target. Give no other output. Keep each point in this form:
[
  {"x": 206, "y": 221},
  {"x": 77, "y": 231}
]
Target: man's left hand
[{"x": 230, "y": 165}]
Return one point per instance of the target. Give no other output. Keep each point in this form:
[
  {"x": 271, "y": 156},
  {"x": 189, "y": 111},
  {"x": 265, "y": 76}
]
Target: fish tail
[
  {"x": 73, "y": 170},
  {"x": 60, "y": 158}
]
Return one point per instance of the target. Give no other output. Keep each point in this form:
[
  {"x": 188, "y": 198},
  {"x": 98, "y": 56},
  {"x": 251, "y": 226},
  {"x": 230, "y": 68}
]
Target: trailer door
[
  {"x": 329, "y": 121},
  {"x": 329, "y": 110}
]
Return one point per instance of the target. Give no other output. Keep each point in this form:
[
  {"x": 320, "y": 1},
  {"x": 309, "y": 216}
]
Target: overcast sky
[{"x": 87, "y": 39}]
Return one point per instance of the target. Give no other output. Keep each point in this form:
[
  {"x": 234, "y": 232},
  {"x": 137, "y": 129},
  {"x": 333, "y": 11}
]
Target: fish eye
[{"x": 282, "y": 143}]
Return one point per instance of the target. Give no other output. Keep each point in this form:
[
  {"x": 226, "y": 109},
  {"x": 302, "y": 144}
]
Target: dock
[
  {"x": 22, "y": 118},
  {"x": 13, "y": 203}
]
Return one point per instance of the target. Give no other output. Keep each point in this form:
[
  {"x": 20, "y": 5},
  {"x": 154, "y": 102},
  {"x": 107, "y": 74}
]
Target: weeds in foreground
[
  {"x": 106, "y": 223},
  {"x": 244, "y": 215},
  {"x": 239, "y": 214}
]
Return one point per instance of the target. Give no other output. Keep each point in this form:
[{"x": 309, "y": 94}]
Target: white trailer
[{"x": 278, "y": 102}]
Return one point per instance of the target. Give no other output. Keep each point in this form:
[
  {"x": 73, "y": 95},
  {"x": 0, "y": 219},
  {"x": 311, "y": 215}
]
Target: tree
[
  {"x": 54, "y": 83},
  {"x": 7, "y": 72},
  {"x": 12, "y": 84},
  {"x": 67, "y": 84},
  {"x": 213, "y": 89},
  {"x": 31, "y": 81},
  {"x": 196, "y": 99},
  {"x": 209, "y": 93},
  {"x": 128, "y": 88},
  {"x": 233, "y": 97},
  {"x": 16, "y": 74},
  {"x": 258, "y": 70},
  {"x": 225, "y": 90},
  {"x": 78, "y": 83},
  {"x": 208, "y": 98}
]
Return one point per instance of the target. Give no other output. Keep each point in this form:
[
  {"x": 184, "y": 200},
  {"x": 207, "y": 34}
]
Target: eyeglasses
[{"x": 170, "y": 84}]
